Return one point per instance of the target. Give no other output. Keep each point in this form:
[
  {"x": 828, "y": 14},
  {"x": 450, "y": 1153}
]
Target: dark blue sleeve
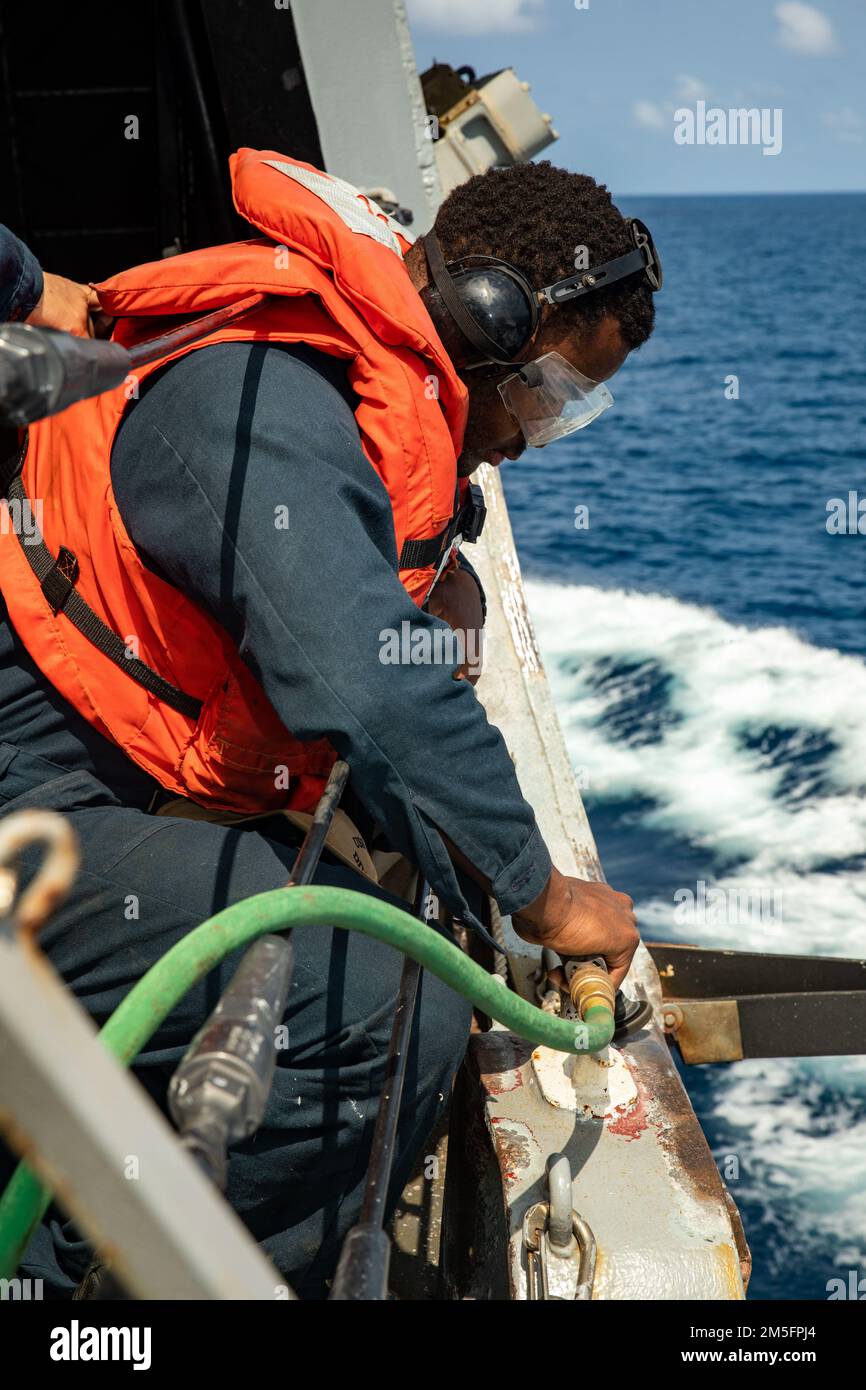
[
  {"x": 20, "y": 278},
  {"x": 241, "y": 479}
]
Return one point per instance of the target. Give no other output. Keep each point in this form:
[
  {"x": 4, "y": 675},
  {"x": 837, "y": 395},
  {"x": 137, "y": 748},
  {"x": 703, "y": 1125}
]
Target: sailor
[{"x": 243, "y": 526}]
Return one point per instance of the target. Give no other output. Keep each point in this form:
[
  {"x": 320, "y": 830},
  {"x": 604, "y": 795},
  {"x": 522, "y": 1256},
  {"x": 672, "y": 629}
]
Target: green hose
[{"x": 152, "y": 999}]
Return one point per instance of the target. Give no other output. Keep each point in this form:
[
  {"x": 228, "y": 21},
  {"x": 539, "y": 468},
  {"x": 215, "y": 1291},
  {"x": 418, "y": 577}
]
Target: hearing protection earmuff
[{"x": 485, "y": 304}]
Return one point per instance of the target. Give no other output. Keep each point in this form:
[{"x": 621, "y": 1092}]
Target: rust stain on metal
[
  {"x": 680, "y": 1135},
  {"x": 709, "y": 1030},
  {"x": 632, "y": 1120},
  {"x": 513, "y": 1151},
  {"x": 744, "y": 1254},
  {"x": 630, "y": 1125},
  {"x": 731, "y": 1270},
  {"x": 501, "y": 1057},
  {"x": 18, "y": 1140},
  {"x": 499, "y": 1083},
  {"x": 600, "y": 1270}
]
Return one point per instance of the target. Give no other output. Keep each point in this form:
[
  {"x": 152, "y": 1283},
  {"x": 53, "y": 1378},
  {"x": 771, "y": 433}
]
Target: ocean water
[{"x": 706, "y": 641}]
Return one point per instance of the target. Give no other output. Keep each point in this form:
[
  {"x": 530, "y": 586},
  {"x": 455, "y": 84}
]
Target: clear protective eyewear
[{"x": 548, "y": 398}]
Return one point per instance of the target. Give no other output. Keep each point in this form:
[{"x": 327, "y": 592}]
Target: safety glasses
[{"x": 548, "y": 398}]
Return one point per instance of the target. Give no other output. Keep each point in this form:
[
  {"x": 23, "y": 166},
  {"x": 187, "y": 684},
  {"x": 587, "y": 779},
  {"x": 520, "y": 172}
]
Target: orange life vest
[{"x": 331, "y": 266}]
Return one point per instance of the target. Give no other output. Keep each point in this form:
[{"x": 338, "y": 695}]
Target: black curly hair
[{"x": 534, "y": 216}]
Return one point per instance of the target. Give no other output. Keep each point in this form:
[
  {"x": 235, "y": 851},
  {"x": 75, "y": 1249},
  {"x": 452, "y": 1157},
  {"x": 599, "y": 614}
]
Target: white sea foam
[
  {"x": 804, "y": 1167},
  {"x": 808, "y": 1177},
  {"x": 706, "y": 784}
]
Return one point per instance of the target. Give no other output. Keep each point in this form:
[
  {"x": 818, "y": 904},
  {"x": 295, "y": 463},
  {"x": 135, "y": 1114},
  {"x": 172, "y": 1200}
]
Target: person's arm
[
  {"x": 21, "y": 281},
  {"x": 458, "y": 599},
  {"x": 241, "y": 479},
  {"x": 47, "y": 301}
]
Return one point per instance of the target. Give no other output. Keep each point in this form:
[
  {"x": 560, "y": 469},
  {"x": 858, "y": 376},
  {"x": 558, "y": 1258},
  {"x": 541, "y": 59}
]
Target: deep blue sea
[{"x": 706, "y": 642}]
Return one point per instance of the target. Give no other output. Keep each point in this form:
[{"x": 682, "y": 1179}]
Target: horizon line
[{"x": 753, "y": 193}]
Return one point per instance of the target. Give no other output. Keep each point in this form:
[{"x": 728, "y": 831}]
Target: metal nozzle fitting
[{"x": 591, "y": 987}]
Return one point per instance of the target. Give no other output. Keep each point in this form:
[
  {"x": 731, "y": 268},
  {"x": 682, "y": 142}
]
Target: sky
[{"x": 612, "y": 73}]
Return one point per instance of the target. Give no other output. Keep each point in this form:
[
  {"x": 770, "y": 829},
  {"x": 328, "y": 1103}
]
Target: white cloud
[
  {"x": 649, "y": 114},
  {"x": 691, "y": 88},
  {"x": 474, "y": 16},
  {"x": 804, "y": 29},
  {"x": 655, "y": 115}
]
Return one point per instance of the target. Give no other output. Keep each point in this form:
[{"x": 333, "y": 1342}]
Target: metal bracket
[{"x": 723, "y": 1006}]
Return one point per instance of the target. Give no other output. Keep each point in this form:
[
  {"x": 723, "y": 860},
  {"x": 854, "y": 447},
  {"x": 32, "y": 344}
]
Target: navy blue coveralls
[{"x": 217, "y": 447}]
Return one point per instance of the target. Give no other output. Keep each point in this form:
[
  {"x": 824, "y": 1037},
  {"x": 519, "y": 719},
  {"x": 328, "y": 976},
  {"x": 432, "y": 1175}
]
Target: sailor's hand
[
  {"x": 457, "y": 601},
  {"x": 66, "y": 305},
  {"x": 575, "y": 918}
]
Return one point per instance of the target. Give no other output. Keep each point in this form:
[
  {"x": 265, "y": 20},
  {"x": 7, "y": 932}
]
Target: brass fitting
[{"x": 591, "y": 987}]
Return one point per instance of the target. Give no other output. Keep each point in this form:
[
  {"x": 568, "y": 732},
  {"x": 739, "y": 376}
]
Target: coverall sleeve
[
  {"x": 241, "y": 479},
  {"x": 20, "y": 278}
]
